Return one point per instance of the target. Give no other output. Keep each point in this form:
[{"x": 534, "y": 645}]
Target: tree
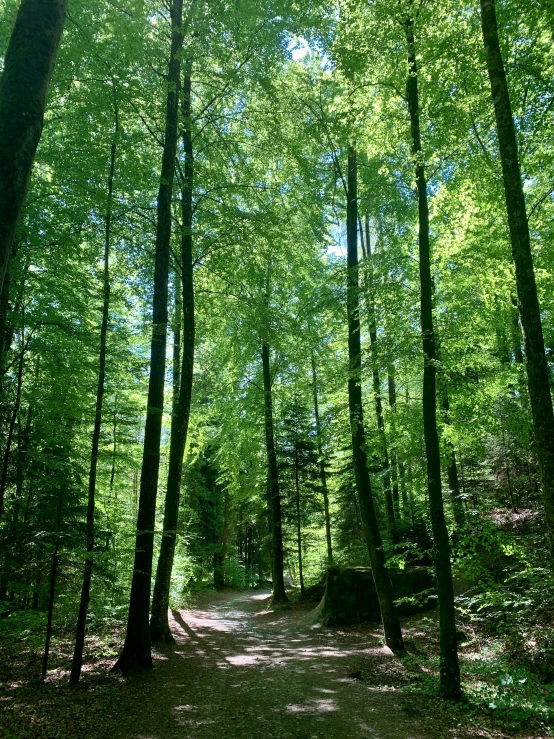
[
  {"x": 274, "y": 492},
  {"x": 87, "y": 576},
  {"x": 322, "y": 470},
  {"x": 528, "y": 303},
  {"x": 159, "y": 626},
  {"x": 389, "y": 499},
  {"x": 24, "y": 84},
  {"x": 136, "y": 649},
  {"x": 300, "y": 471},
  {"x": 450, "y": 671},
  {"x": 391, "y": 622}
]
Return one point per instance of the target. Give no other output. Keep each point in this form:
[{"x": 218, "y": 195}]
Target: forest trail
[{"x": 240, "y": 670}]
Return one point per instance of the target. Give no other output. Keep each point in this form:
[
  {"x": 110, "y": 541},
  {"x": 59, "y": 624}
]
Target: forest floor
[{"x": 240, "y": 670}]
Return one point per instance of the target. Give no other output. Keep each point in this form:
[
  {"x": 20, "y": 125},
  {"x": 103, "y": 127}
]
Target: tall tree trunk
[
  {"x": 508, "y": 476},
  {"x": 322, "y": 471},
  {"x": 28, "y": 67},
  {"x": 298, "y": 520},
  {"x": 159, "y": 624},
  {"x": 395, "y": 462},
  {"x": 406, "y": 506},
  {"x": 449, "y": 669},
  {"x": 114, "y": 447},
  {"x": 279, "y": 594},
  {"x": 177, "y": 329},
  {"x": 87, "y": 574},
  {"x": 15, "y": 412},
  {"x": 391, "y": 622},
  {"x": 4, "y": 313},
  {"x": 52, "y": 592},
  {"x": 529, "y": 309},
  {"x": 452, "y": 467},
  {"x": 22, "y": 462},
  {"x": 389, "y": 502},
  {"x": 515, "y": 332},
  {"x": 225, "y": 537},
  {"x": 137, "y": 648}
]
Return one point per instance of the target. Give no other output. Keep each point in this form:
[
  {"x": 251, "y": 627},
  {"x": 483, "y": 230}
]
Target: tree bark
[
  {"x": 220, "y": 554},
  {"x": 449, "y": 668},
  {"x": 515, "y": 332},
  {"x": 22, "y": 461},
  {"x": 372, "y": 325},
  {"x": 15, "y": 412},
  {"x": 52, "y": 592},
  {"x": 298, "y": 520},
  {"x": 279, "y": 593},
  {"x": 452, "y": 467},
  {"x": 391, "y": 622},
  {"x": 114, "y": 447},
  {"x": 4, "y": 313},
  {"x": 322, "y": 471},
  {"x": 177, "y": 329},
  {"x": 159, "y": 624},
  {"x": 28, "y": 67},
  {"x": 395, "y": 462},
  {"x": 136, "y": 652},
  {"x": 528, "y": 302},
  {"x": 77, "y": 661}
]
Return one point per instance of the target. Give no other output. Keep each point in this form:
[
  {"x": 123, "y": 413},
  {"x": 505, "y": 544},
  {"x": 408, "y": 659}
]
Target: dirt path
[{"x": 238, "y": 670}]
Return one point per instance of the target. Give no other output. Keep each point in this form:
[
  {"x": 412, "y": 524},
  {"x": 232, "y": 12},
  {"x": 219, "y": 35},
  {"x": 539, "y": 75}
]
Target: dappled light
[
  {"x": 277, "y": 665},
  {"x": 276, "y": 369}
]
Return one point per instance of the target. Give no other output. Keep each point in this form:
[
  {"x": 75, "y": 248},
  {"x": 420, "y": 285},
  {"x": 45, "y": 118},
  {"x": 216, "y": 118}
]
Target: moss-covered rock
[{"x": 350, "y": 595}]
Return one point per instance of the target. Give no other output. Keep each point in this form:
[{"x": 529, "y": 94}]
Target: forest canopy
[{"x": 276, "y": 298}]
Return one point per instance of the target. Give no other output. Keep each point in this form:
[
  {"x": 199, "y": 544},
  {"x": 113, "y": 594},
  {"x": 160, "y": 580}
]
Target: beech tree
[
  {"x": 136, "y": 649},
  {"x": 528, "y": 303},
  {"x": 450, "y": 672},
  {"x": 28, "y": 66},
  {"x": 391, "y": 622}
]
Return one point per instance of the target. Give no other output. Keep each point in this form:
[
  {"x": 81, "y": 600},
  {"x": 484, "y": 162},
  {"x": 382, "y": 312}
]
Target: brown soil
[{"x": 239, "y": 670}]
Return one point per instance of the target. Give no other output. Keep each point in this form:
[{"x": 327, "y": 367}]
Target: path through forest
[{"x": 239, "y": 670}]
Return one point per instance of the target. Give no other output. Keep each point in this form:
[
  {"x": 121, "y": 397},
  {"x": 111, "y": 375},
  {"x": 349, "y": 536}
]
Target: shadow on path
[{"x": 237, "y": 671}]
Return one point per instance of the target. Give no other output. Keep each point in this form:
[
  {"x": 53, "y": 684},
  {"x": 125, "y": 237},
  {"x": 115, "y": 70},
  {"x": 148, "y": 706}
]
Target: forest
[{"x": 276, "y": 368}]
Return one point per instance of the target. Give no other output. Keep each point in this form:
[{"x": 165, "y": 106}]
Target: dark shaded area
[{"x": 350, "y": 595}]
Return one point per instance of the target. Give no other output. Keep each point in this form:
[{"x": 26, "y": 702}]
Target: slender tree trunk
[
  {"x": 22, "y": 462},
  {"x": 159, "y": 624},
  {"x": 298, "y": 520},
  {"x": 389, "y": 502},
  {"x": 114, "y": 447},
  {"x": 391, "y": 382},
  {"x": 508, "y": 476},
  {"x": 391, "y": 622},
  {"x": 4, "y": 313},
  {"x": 225, "y": 537},
  {"x": 137, "y": 648},
  {"x": 15, "y": 412},
  {"x": 279, "y": 594},
  {"x": 452, "y": 467},
  {"x": 449, "y": 670},
  {"x": 24, "y": 84},
  {"x": 403, "y": 492},
  {"x": 177, "y": 328},
  {"x": 322, "y": 472},
  {"x": 87, "y": 575},
  {"x": 515, "y": 331},
  {"x": 52, "y": 593},
  {"x": 529, "y": 309}
]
